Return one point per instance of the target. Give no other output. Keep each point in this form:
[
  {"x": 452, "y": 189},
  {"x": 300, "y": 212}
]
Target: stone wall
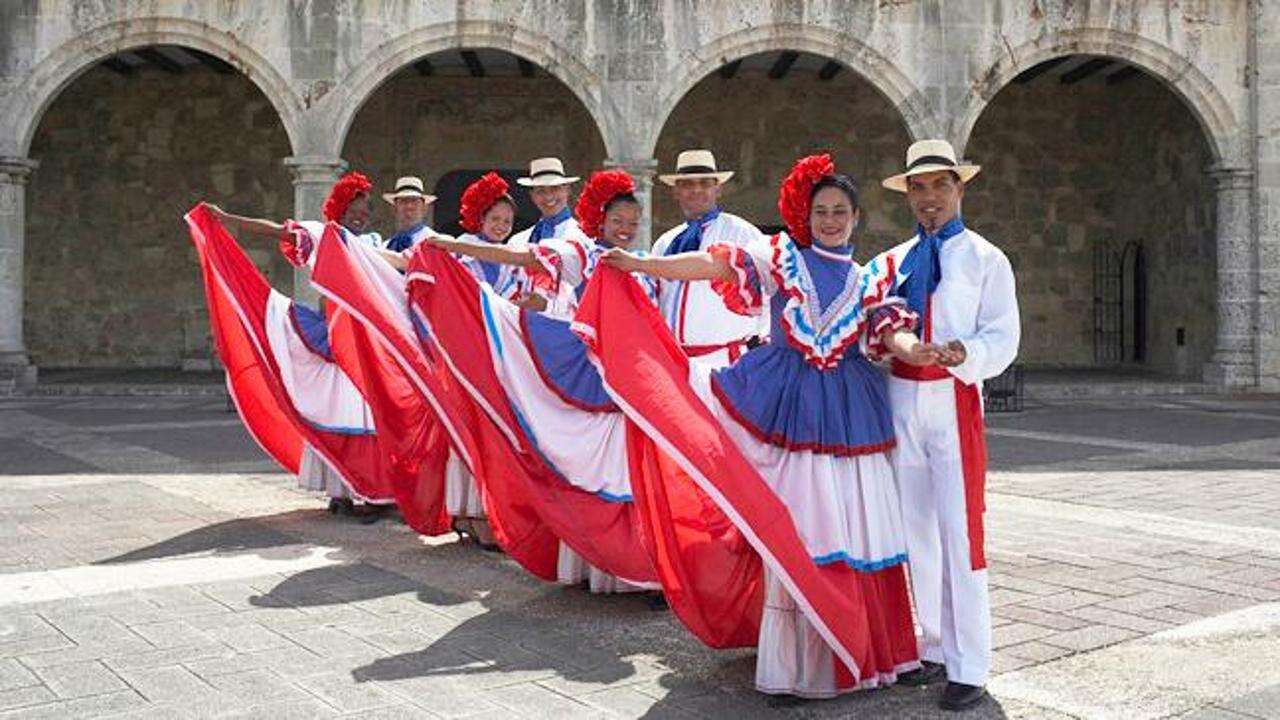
[
  {"x": 429, "y": 126},
  {"x": 111, "y": 277},
  {"x": 1061, "y": 175},
  {"x": 759, "y": 127}
]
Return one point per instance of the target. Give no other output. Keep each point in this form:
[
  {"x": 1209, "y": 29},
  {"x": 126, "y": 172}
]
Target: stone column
[
  {"x": 1233, "y": 361},
  {"x": 16, "y": 370},
  {"x": 313, "y": 175},
  {"x": 643, "y": 171}
]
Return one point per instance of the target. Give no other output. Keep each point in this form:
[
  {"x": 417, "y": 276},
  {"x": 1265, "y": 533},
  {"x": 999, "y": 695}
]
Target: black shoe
[
  {"x": 928, "y": 674},
  {"x": 340, "y": 506},
  {"x": 784, "y": 701},
  {"x": 657, "y": 601},
  {"x": 959, "y": 696},
  {"x": 366, "y": 514}
]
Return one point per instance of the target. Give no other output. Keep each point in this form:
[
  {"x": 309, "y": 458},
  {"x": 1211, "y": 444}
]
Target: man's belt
[{"x": 906, "y": 371}]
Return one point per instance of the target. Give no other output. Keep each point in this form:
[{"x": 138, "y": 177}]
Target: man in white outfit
[
  {"x": 697, "y": 316},
  {"x": 549, "y": 188},
  {"x": 962, "y": 288}
]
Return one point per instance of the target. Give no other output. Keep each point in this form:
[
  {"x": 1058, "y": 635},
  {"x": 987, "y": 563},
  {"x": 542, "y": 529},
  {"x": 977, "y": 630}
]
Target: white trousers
[{"x": 952, "y": 604}]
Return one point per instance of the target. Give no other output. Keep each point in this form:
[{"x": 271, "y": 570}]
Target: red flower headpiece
[
  {"x": 603, "y": 187},
  {"x": 478, "y": 198},
  {"x": 348, "y": 188},
  {"x": 793, "y": 196}
]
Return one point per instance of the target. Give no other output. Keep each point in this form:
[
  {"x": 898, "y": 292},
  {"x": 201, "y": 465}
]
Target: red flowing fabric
[
  {"x": 647, "y": 375},
  {"x": 238, "y": 295},
  {"x": 604, "y": 533},
  {"x": 711, "y": 577},
  {"x": 251, "y": 373},
  {"x": 415, "y": 446},
  {"x": 515, "y": 524}
]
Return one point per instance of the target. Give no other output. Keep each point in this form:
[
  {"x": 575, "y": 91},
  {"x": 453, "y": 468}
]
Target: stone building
[{"x": 1131, "y": 147}]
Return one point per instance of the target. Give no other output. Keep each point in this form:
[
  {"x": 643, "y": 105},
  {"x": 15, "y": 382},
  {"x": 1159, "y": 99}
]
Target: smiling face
[
  {"x": 409, "y": 212},
  {"x": 621, "y": 223},
  {"x": 496, "y": 224},
  {"x": 696, "y": 196},
  {"x": 934, "y": 198},
  {"x": 832, "y": 217},
  {"x": 550, "y": 199},
  {"x": 356, "y": 218}
]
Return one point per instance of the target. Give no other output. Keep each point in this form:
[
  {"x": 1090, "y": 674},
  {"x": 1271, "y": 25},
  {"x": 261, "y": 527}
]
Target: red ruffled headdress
[
  {"x": 478, "y": 198},
  {"x": 348, "y": 188},
  {"x": 603, "y": 187},
  {"x": 794, "y": 195}
]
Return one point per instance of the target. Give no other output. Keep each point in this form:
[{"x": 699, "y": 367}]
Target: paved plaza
[{"x": 153, "y": 563}]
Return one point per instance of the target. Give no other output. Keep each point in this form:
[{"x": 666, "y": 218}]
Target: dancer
[
  {"x": 410, "y": 203},
  {"x": 962, "y": 287},
  {"x": 791, "y": 442},
  {"x": 549, "y": 189},
  {"x": 696, "y": 315},
  {"x": 322, "y": 393},
  {"x": 563, "y": 411}
]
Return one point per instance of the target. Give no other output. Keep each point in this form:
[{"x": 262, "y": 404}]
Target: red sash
[
  {"x": 735, "y": 348},
  {"x": 973, "y": 450}
]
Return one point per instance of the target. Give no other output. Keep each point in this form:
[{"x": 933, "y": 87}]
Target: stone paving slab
[{"x": 137, "y": 579}]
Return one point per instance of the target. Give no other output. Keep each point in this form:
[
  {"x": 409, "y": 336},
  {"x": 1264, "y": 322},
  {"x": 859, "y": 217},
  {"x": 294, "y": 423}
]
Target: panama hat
[
  {"x": 546, "y": 172},
  {"x": 694, "y": 164},
  {"x": 927, "y": 156},
  {"x": 408, "y": 186}
]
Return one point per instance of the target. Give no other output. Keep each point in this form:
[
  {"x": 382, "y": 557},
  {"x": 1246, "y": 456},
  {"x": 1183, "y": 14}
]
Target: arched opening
[
  {"x": 450, "y": 115},
  {"x": 760, "y": 113},
  {"x": 125, "y": 149},
  {"x": 1094, "y": 184}
]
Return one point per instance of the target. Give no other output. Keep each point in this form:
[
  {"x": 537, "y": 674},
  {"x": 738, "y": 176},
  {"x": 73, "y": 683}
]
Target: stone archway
[
  {"x": 801, "y": 104},
  {"x": 27, "y": 103},
  {"x": 1111, "y": 226},
  {"x": 345, "y": 101},
  {"x": 461, "y": 112},
  {"x": 879, "y": 71},
  {"x": 1202, "y": 97},
  {"x": 125, "y": 149}
]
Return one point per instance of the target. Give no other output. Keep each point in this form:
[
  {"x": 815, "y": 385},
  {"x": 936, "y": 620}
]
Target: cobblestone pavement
[{"x": 154, "y": 564}]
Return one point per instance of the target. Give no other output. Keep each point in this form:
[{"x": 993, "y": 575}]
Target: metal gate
[{"x": 1119, "y": 304}]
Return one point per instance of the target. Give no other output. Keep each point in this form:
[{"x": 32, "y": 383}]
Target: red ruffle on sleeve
[
  {"x": 890, "y": 318},
  {"x": 296, "y": 244},
  {"x": 743, "y": 294},
  {"x": 544, "y": 277}
]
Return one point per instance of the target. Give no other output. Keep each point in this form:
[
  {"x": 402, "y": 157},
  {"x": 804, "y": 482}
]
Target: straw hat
[
  {"x": 694, "y": 164},
  {"x": 927, "y": 156},
  {"x": 546, "y": 172},
  {"x": 408, "y": 186}
]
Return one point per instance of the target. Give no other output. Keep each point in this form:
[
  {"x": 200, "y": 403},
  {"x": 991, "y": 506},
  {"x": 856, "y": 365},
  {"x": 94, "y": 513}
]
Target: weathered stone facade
[
  {"x": 642, "y": 76},
  {"x": 428, "y": 126},
  {"x": 110, "y": 276}
]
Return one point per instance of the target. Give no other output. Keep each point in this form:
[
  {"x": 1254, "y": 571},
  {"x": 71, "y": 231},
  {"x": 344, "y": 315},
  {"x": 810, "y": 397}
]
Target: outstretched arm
[
  {"x": 683, "y": 266},
  {"x": 501, "y": 254},
  {"x": 251, "y": 226},
  {"x": 393, "y": 258},
  {"x": 904, "y": 345}
]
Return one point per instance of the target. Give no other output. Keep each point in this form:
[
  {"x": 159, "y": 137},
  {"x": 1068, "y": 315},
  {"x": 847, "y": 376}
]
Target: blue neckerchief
[
  {"x": 403, "y": 240},
  {"x": 546, "y": 227},
  {"x": 690, "y": 238},
  {"x": 923, "y": 266},
  {"x": 490, "y": 269}
]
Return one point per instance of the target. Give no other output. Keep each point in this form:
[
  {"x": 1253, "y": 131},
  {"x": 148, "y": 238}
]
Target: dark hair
[
  {"x": 504, "y": 199},
  {"x": 840, "y": 181},
  {"x": 621, "y": 199}
]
